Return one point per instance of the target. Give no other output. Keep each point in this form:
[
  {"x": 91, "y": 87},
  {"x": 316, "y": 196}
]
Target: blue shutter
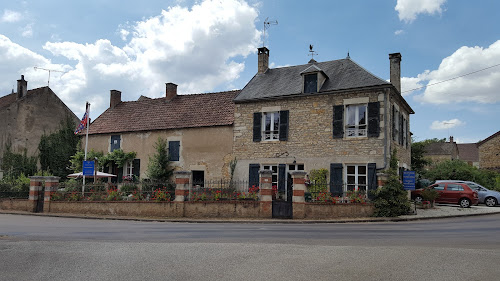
[
  {"x": 115, "y": 142},
  {"x": 173, "y": 150},
  {"x": 338, "y": 121},
  {"x": 393, "y": 123},
  {"x": 283, "y": 125},
  {"x": 336, "y": 182},
  {"x": 257, "y": 123},
  {"x": 281, "y": 177},
  {"x": 136, "y": 167},
  {"x": 253, "y": 179},
  {"x": 372, "y": 179},
  {"x": 373, "y": 119}
]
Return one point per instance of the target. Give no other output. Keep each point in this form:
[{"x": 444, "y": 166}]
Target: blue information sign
[
  {"x": 409, "y": 180},
  {"x": 88, "y": 168}
]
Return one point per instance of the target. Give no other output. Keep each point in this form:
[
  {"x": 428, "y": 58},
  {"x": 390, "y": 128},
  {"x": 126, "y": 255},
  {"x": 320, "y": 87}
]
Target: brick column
[
  {"x": 35, "y": 192},
  {"x": 182, "y": 182},
  {"x": 299, "y": 190},
  {"x": 266, "y": 193},
  {"x": 51, "y": 186}
]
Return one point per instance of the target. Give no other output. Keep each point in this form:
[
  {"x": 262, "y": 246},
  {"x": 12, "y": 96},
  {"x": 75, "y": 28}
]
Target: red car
[{"x": 451, "y": 193}]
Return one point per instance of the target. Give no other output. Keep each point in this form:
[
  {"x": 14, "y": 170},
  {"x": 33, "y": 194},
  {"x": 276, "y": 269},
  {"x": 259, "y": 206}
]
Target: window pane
[
  {"x": 301, "y": 167},
  {"x": 351, "y": 116},
  {"x": 362, "y": 170},
  {"x": 267, "y": 123},
  {"x": 311, "y": 83},
  {"x": 362, "y": 114},
  {"x": 351, "y": 179},
  {"x": 362, "y": 180},
  {"x": 351, "y": 170},
  {"x": 276, "y": 121}
]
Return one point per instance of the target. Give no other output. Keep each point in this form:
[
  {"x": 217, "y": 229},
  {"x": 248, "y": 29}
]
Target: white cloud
[
  {"x": 447, "y": 124},
  {"x": 480, "y": 87},
  {"x": 409, "y": 9},
  {"x": 10, "y": 16},
  {"x": 28, "y": 30},
  {"x": 196, "y": 48},
  {"x": 399, "y": 32}
]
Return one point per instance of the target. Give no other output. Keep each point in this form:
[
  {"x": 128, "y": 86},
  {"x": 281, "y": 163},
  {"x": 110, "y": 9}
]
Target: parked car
[
  {"x": 489, "y": 197},
  {"x": 451, "y": 193}
]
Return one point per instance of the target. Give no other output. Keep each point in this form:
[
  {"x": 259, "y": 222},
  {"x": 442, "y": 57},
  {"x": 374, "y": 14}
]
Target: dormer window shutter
[
  {"x": 257, "y": 123},
  {"x": 338, "y": 121},
  {"x": 373, "y": 119},
  {"x": 283, "y": 125}
]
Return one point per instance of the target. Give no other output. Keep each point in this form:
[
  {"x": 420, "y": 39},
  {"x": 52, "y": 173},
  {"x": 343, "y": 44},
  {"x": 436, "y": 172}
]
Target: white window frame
[
  {"x": 357, "y": 185},
  {"x": 274, "y": 177},
  {"x": 356, "y": 131},
  {"x": 274, "y": 133}
]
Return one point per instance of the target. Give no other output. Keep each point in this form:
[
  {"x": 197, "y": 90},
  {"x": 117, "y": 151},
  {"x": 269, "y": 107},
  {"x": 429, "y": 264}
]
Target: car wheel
[
  {"x": 419, "y": 199},
  {"x": 490, "y": 201},
  {"x": 464, "y": 203}
]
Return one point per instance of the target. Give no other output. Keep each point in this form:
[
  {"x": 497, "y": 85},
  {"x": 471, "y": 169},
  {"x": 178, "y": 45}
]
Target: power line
[{"x": 451, "y": 78}]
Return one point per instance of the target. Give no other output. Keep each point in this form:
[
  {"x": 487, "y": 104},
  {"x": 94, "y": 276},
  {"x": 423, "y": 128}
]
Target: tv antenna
[
  {"x": 49, "y": 70},
  {"x": 448, "y": 127},
  {"x": 312, "y": 52},
  {"x": 267, "y": 24}
]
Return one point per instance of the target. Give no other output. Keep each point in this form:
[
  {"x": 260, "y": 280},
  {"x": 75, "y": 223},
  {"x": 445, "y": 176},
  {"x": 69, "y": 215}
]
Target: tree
[
  {"x": 159, "y": 168},
  {"x": 391, "y": 200},
  {"x": 418, "y": 160},
  {"x": 77, "y": 159},
  {"x": 57, "y": 148},
  {"x": 15, "y": 164}
]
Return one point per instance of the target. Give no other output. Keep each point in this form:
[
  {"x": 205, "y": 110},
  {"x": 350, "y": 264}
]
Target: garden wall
[
  {"x": 329, "y": 211},
  {"x": 16, "y": 205}
]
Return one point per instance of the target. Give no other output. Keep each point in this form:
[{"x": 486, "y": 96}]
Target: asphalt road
[{"x": 48, "y": 248}]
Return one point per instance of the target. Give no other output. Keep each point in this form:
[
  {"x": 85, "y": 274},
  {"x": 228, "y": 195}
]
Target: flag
[{"x": 83, "y": 123}]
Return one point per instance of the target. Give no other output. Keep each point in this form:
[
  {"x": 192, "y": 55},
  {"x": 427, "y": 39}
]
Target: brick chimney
[
  {"x": 263, "y": 61},
  {"x": 451, "y": 139},
  {"x": 22, "y": 87},
  {"x": 115, "y": 98},
  {"x": 171, "y": 90},
  {"x": 396, "y": 70}
]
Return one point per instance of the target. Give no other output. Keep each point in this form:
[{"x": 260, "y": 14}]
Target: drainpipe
[{"x": 387, "y": 139}]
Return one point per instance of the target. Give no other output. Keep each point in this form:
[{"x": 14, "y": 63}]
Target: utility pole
[{"x": 49, "y": 70}]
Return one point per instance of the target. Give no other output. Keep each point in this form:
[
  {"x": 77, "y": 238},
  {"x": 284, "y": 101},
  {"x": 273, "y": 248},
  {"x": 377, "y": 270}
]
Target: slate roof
[
  {"x": 11, "y": 98},
  {"x": 183, "y": 111},
  {"x": 440, "y": 148},
  {"x": 468, "y": 152},
  {"x": 342, "y": 74}
]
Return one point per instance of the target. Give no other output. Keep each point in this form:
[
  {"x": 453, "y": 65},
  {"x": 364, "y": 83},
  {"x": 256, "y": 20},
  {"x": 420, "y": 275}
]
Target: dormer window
[{"x": 311, "y": 83}]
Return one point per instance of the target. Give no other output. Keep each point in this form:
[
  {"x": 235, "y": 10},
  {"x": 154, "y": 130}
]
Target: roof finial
[
  {"x": 348, "y": 57},
  {"x": 312, "y": 53}
]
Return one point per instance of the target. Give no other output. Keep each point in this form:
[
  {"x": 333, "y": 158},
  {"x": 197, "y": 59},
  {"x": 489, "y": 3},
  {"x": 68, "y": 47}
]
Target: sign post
[
  {"x": 409, "y": 180},
  {"x": 88, "y": 170}
]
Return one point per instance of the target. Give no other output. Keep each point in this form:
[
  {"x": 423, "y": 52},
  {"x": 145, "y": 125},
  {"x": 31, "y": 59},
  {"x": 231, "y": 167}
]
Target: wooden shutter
[
  {"x": 283, "y": 125},
  {"x": 281, "y": 177},
  {"x": 393, "y": 119},
  {"x": 372, "y": 179},
  {"x": 336, "y": 181},
  {"x": 117, "y": 139},
  {"x": 373, "y": 119},
  {"x": 136, "y": 167},
  {"x": 407, "y": 132},
  {"x": 338, "y": 121},
  {"x": 253, "y": 175},
  {"x": 174, "y": 150},
  {"x": 401, "y": 125},
  {"x": 257, "y": 123}
]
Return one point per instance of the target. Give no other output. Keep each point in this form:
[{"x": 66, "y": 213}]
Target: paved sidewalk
[{"x": 439, "y": 211}]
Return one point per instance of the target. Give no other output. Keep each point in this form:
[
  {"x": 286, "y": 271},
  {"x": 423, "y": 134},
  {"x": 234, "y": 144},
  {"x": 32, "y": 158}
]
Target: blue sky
[{"x": 205, "y": 46}]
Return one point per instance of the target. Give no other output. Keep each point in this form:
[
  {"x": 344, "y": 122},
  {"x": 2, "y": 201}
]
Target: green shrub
[{"x": 429, "y": 194}]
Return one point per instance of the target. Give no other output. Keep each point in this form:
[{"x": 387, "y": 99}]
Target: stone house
[
  {"x": 469, "y": 152},
  {"x": 27, "y": 114},
  {"x": 442, "y": 151},
  {"x": 489, "y": 152},
  {"x": 198, "y": 129},
  {"x": 334, "y": 115}
]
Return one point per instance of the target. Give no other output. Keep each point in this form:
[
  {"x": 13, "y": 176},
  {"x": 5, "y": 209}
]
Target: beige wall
[
  {"x": 489, "y": 154},
  {"x": 310, "y": 139},
  {"x": 207, "y": 149}
]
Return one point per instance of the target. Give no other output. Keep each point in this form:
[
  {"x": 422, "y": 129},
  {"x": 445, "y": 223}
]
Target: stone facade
[{"x": 489, "y": 153}]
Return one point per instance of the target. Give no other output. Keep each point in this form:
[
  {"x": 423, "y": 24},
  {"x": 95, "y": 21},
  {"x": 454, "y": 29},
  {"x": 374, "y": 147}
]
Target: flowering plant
[
  {"x": 161, "y": 194},
  {"x": 356, "y": 196}
]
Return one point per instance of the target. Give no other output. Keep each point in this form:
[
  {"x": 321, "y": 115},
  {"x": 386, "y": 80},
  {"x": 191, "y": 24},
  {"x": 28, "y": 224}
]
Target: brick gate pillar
[
  {"x": 266, "y": 193},
  {"x": 51, "y": 186},
  {"x": 35, "y": 193},
  {"x": 182, "y": 184},
  {"x": 299, "y": 190}
]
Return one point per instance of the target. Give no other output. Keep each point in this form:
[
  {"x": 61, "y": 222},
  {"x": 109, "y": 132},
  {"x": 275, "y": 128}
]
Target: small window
[
  {"x": 439, "y": 186},
  {"x": 356, "y": 178},
  {"x": 311, "y": 83},
  {"x": 198, "y": 178},
  {"x": 273, "y": 168},
  {"x": 271, "y": 125},
  {"x": 115, "y": 142},
  {"x": 356, "y": 120},
  {"x": 174, "y": 150},
  {"x": 455, "y": 187}
]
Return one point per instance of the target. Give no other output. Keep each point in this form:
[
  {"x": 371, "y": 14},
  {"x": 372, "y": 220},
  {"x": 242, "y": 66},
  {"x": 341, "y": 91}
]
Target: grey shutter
[
  {"x": 407, "y": 132},
  {"x": 281, "y": 177},
  {"x": 393, "y": 118},
  {"x": 373, "y": 119},
  {"x": 372, "y": 179},
  {"x": 336, "y": 181},
  {"x": 401, "y": 129},
  {"x": 338, "y": 121},
  {"x": 174, "y": 150},
  {"x": 120, "y": 174},
  {"x": 253, "y": 178},
  {"x": 257, "y": 123},
  {"x": 283, "y": 125},
  {"x": 136, "y": 167},
  {"x": 117, "y": 139}
]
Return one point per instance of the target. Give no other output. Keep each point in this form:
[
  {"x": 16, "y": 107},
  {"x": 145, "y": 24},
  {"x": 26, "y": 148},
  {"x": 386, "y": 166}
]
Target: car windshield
[{"x": 474, "y": 186}]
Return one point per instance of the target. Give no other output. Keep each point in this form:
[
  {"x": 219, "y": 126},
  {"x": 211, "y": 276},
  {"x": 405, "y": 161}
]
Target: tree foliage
[
  {"x": 391, "y": 200},
  {"x": 159, "y": 168},
  {"x": 57, "y": 148},
  {"x": 77, "y": 159},
  {"x": 14, "y": 164}
]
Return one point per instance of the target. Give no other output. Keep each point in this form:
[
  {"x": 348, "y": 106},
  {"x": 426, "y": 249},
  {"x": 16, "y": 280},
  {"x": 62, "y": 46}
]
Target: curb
[{"x": 259, "y": 221}]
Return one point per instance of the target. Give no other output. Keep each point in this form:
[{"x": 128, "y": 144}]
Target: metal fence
[
  {"x": 220, "y": 190},
  {"x": 320, "y": 192},
  {"x": 14, "y": 190}
]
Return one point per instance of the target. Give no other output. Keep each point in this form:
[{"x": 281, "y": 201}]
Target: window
[
  {"x": 115, "y": 142},
  {"x": 273, "y": 168},
  {"x": 198, "y": 178},
  {"x": 455, "y": 187},
  {"x": 174, "y": 150},
  {"x": 356, "y": 120},
  {"x": 132, "y": 169},
  {"x": 439, "y": 186},
  {"x": 270, "y": 125},
  {"x": 310, "y": 83},
  {"x": 356, "y": 176}
]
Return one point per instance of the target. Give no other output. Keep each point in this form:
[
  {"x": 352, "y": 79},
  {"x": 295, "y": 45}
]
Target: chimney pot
[
  {"x": 115, "y": 98},
  {"x": 22, "y": 87},
  {"x": 263, "y": 59},
  {"x": 395, "y": 68},
  {"x": 171, "y": 90}
]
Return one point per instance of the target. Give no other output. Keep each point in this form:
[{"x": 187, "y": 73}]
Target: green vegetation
[
  {"x": 14, "y": 164},
  {"x": 318, "y": 180},
  {"x": 159, "y": 168}
]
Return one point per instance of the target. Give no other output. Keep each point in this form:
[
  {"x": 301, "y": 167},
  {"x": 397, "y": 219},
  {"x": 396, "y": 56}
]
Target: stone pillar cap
[{"x": 265, "y": 171}]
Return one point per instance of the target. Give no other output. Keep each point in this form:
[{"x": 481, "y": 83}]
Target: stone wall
[
  {"x": 16, "y": 205},
  {"x": 489, "y": 154}
]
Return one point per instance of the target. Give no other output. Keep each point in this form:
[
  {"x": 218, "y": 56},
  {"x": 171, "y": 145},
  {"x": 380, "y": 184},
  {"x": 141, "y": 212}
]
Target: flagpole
[{"x": 87, "y": 109}]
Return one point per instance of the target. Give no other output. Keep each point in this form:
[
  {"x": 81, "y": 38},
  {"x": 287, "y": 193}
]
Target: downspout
[{"x": 387, "y": 139}]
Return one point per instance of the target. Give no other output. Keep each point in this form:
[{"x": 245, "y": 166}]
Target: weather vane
[
  {"x": 267, "y": 24},
  {"x": 312, "y": 52}
]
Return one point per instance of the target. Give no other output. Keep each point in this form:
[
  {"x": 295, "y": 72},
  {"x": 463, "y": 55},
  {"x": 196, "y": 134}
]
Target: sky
[{"x": 450, "y": 50}]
